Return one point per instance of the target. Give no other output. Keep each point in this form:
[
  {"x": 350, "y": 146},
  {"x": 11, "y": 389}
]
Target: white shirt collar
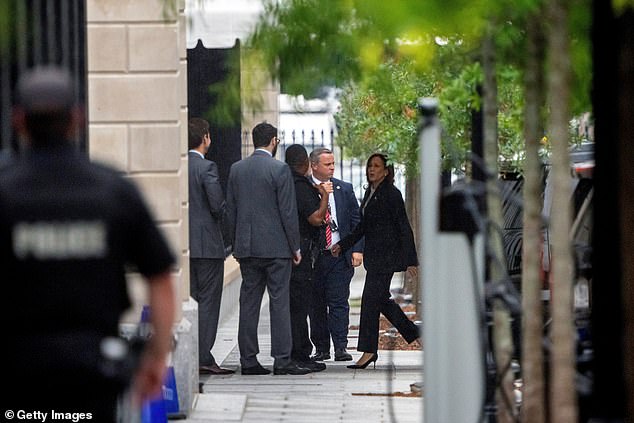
[
  {"x": 197, "y": 152},
  {"x": 315, "y": 180},
  {"x": 265, "y": 150}
]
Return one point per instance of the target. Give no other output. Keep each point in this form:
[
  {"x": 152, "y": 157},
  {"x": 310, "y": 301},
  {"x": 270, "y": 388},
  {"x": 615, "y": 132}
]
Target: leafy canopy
[
  {"x": 386, "y": 55},
  {"x": 308, "y": 44}
]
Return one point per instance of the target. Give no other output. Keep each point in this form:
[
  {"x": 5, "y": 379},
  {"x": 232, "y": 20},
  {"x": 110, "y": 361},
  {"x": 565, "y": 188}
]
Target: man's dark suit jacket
[
  {"x": 347, "y": 213},
  {"x": 206, "y": 209},
  {"x": 261, "y": 208},
  {"x": 389, "y": 240}
]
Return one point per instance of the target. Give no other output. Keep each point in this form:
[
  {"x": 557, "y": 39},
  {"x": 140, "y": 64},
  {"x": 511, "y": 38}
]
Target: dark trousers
[
  {"x": 329, "y": 317},
  {"x": 206, "y": 279},
  {"x": 300, "y": 295},
  {"x": 374, "y": 301},
  {"x": 274, "y": 275}
]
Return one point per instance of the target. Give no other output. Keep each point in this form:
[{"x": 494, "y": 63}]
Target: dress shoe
[
  {"x": 342, "y": 355},
  {"x": 214, "y": 369},
  {"x": 321, "y": 356},
  {"x": 255, "y": 370},
  {"x": 312, "y": 365},
  {"x": 291, "y": 368},
  {"x": 365, "y": 364}
]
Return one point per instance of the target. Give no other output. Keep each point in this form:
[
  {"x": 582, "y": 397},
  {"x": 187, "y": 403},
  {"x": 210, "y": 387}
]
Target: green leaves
[
  {"x": 7, "y": 26},
  {"x": 387, "y": 54},
  {"x": 307, "y": 44},
  {"x": 379, "y": 113}
]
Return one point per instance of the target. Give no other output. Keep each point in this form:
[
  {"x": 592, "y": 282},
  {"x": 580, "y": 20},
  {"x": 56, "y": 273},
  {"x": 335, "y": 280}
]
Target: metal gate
[
  {"x": 40, "y": 32},
  {"x": 348, "y": 170}
]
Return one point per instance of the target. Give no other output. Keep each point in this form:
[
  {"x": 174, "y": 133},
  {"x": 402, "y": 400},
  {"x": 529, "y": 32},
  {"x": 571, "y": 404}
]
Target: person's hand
[
  {"x": 336, "y": 250},
  {"x": 297, "y": 258},
  {"x": 148, "y": 380},
  {"x": 322, "y": 189},
  {"x": 357, "y": 259},
  {"x": 412, "y": 271},
  {"x": 327, "y": 186}
]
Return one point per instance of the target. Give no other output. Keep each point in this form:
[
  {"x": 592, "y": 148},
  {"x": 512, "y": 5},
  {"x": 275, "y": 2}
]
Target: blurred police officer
[{"x": 69, "y": 229}]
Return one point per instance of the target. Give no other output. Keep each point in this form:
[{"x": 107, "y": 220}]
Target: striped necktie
[{"x": 328, "y": 230}]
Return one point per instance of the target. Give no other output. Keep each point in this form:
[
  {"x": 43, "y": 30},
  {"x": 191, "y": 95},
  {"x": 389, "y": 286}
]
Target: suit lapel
[
  {"x": 374, "y": 201},
  {"x": 364, "y": 200},
  {"x": 338, "y": 193}
]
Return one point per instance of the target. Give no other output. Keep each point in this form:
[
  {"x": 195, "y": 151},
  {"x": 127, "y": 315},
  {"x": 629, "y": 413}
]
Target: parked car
[{"x": 581, "y": 170}]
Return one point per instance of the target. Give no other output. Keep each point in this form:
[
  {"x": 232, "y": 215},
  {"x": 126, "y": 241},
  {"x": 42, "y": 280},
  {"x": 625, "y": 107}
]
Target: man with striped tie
[{"x": 329, "y": 317}]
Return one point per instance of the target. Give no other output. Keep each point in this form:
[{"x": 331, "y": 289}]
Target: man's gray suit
[
  {"x": 262, "y": 216},
  {"x": 206, "y": 249}
]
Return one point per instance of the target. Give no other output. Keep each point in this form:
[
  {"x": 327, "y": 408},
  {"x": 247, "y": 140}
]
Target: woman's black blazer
[{"x": 389, "y": 241}]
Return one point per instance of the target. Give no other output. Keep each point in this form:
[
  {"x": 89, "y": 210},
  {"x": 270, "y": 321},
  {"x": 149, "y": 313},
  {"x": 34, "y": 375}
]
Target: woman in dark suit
[{"x": 389, "y": 248}]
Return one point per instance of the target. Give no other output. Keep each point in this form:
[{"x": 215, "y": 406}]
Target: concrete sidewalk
[{"x": 336, "y": 394}]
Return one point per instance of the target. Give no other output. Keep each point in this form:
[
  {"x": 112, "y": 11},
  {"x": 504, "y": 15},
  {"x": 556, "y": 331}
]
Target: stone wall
[
  {"x": 137, "y": 110},
  {"x": 137, "y": 113}
]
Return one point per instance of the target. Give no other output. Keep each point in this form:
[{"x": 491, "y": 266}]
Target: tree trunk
[
  {"x": 503, "y": 347},
  {"x": 532, "y": 321},
  {"x": 563, "y": 407},
  {"x": 412, "y": 200}
]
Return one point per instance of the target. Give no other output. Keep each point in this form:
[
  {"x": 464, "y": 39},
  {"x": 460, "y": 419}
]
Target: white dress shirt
[
  {"x": 197, "y": 152},
  {"x": 333, "y": 211},
  {"x": 265, "y": 150}
]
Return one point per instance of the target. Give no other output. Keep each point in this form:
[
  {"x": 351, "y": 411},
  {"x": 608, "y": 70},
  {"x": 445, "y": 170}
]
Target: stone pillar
[{"x": 137, "y": 112}]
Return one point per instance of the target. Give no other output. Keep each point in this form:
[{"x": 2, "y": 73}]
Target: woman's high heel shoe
[{"x": 372, "y": 360}]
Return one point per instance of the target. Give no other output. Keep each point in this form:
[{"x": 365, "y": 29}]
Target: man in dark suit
[
  {"x": 263, "y": 223},
  {"x": 329, "y": 316},
  {"x": 206, "y": 246},
  {"x": 312, "y": 204}
]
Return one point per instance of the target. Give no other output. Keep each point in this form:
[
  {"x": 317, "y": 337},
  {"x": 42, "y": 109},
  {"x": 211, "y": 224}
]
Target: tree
[
  {"x": 533, "y": 409},
  {"x": 378, "y": 113},
  {"x": 562, "y": 358},
  {"x": 385, "y": 31},
  {"x": 308, "y": 44}
]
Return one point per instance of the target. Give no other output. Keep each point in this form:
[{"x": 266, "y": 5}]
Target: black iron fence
[
  {"x": 348, "y": 170},
  {"x": 41, "y": 32}
]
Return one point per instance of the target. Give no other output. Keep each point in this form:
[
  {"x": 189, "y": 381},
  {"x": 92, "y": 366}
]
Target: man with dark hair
[
  {"x": 262, "y": 217},
  {"x": 206, "y": 246},
  {"x": 329, "y": 318},
  {"x": 312, "y": 203},
  {"x": 69, "y": 230}
]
